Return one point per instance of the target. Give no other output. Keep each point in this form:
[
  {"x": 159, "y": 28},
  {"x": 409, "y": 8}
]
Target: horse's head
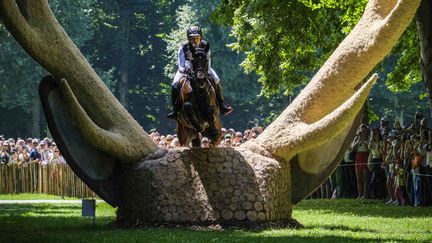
[{"x": 200, "y": 64}]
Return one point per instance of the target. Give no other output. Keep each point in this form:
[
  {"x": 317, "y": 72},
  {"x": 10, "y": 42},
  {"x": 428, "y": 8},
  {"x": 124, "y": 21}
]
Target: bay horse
[{"x": 199, "y": 108}]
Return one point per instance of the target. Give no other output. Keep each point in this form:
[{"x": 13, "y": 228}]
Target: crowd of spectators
[
  {"x": 45, "y": 151},
  {"x": 392, "y": 163},
  {"x": 231, "y": 138},
  {"x": 31, "y": 150}
]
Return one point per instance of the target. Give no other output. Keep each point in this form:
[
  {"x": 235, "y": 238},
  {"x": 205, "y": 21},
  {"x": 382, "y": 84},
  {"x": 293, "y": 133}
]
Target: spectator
[
  {"x": 347, "y": 183},
  {"x": 407, "y": 156},
  {"x": 400, "y": 190},
  {"x": 237, "y": 140},
  {"x": 57, "y": 158},
  {"x": 360, "y": 144},
  {"x": 162, "y": 144},
  {"x": 205, "y": 143},
  {"x": 23, "y": 156},
  {"x": 35, "y": 152},
  {"x": 168, "y": 140},
  {"x": 392, "y": 155},
  {"x": 45, "y": 153},
  {"x": 378, "y": 180},
  {"x": 4, "y": 153},
  {"x": 175, "y": 143},
  {"x": 416, "y": 163},
  {"x": 425, "y": 186}
]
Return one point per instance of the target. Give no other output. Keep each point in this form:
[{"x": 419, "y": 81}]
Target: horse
[{"x": 199, "y": 108}]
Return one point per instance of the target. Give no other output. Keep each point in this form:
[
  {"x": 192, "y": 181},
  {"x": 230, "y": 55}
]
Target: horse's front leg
[
  {"x": 213, "y": 132},
  {"x": 191, "y": 115}
]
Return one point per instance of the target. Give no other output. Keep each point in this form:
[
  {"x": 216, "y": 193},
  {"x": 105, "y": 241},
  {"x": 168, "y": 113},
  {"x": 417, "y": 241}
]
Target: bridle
[{"x": 199, "y": 77}]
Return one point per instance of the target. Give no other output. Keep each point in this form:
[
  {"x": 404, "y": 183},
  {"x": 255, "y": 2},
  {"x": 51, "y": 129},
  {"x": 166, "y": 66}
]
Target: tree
[
  {"x": 424, "y": 26},
  {"x": 137, "y": 65}
]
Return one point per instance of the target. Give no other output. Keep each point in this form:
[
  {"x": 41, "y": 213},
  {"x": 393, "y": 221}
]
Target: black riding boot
[
  {"x": 224, "y": 108},
  {"x": 175, "y": 95}
]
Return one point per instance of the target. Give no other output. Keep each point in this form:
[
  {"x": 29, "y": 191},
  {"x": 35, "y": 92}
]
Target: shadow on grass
[
  {"x": 15, "y": 210},
  {"x": 33, "y": 218},
  {"x": 109, "y": 233},
  {"x": 373, "y": 208},
  {"x": 343, "y": 228}
]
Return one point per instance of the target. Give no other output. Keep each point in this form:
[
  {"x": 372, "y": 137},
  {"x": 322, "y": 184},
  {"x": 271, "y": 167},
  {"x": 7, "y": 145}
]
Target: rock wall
[{"x": 202, "y": 185}]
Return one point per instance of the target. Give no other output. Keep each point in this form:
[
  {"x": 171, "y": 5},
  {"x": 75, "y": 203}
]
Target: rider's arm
[
  {"x": 181, "y": 60},
  {"x": 209, "y": 60}
]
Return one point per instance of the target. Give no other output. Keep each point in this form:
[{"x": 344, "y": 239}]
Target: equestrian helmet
[{"x": 194, "y": 31}]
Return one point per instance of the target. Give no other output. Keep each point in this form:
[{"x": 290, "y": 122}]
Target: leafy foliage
[
  {"x": 284, "y": 47},
  {"x": 285, "y": 43}
]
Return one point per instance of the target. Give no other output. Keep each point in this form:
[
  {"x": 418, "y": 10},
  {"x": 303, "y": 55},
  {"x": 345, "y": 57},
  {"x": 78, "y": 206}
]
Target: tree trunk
[
  {"x": 36, "y": 113},
  {"x": 398, "y": 110},
  {"x": 402, "y": 117},
  {"x": 124, "y": 68},
  {"x": 424, "y": 26},
  {"x": 365, "y": 118}
]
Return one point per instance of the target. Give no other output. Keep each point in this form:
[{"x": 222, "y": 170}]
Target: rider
[{"x": 194, "y": 35}]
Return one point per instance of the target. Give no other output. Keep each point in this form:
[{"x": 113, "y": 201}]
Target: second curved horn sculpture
[{"x": 259, "y": 181}]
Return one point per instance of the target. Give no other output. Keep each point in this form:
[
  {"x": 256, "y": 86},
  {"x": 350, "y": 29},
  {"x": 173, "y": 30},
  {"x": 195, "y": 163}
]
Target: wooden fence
[{"x": 55, "y": 179}]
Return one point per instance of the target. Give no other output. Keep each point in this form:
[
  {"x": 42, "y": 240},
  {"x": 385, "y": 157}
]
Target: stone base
[{"x": 206, "y": 185}]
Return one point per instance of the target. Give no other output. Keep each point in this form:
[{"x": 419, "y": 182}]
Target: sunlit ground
[{"x": 324, "y": 221}]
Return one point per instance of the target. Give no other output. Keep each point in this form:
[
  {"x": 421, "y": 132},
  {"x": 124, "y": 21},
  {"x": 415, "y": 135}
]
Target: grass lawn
[
  {"x": 324, "y": 221},
  {"x": 29, "y": 196}
]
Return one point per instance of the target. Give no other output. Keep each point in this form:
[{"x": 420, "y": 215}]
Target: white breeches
[{"x": 179, "y": 75}]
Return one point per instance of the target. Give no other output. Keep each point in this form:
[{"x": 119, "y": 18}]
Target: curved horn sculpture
[
  {"x": 379, "y": 29},
  {"x": 258, "y": 181}
]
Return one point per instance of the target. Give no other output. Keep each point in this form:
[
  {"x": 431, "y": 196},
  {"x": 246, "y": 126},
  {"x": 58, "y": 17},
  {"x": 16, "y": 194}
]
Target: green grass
[{"x": 324, "y": 221}]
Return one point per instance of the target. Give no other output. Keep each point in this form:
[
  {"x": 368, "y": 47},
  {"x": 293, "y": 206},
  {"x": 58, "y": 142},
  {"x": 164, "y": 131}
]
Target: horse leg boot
[
  {"x": 224, "y": 108},
  {"x": 175, "y": 95}
]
